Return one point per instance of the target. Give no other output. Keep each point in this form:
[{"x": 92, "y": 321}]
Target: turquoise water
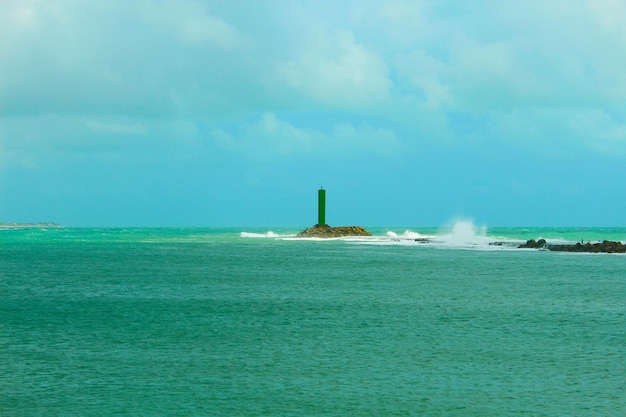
[{"x": 247, "y": 322}]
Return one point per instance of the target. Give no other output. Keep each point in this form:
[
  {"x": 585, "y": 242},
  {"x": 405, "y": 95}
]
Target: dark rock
[
  {"x": 533, "y": 244},
  {"x": 606, "y": 246},
  {"x": 324, "y": 230}
]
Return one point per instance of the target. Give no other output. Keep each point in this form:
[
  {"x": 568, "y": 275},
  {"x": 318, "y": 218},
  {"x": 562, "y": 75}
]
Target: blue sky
[{"x": 234, "y": 113}]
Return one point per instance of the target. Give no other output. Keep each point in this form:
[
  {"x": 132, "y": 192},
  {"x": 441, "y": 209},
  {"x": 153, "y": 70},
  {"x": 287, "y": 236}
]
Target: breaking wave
[
  {"x": 406, "y": 235},
  {"x": 260, "y": 235},
  {"x": 465, "y": 233},
  {"x": 460, "y": 234}
]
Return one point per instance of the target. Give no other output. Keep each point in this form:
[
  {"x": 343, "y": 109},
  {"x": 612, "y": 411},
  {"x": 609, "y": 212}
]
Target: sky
[{"x": 122, "y": 113}]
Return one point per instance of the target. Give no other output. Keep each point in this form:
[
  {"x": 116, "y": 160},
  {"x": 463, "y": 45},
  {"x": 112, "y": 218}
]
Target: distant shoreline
[{"x": 27, "y": 225}]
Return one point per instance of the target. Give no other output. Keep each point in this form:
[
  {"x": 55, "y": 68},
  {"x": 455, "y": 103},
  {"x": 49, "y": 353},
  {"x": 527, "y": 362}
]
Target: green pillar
[{"x": 321, "y": 206}]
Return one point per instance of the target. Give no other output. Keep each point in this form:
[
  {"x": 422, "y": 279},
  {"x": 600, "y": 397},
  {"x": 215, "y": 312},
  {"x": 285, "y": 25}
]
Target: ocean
[{"x": 250, "y": 322}]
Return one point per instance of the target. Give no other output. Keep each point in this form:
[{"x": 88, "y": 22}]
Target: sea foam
[
  {"x": 465, "y": 232},
  {"x": 259, "y": 235},
  {"x": 462, "y": 234},
  {"x": 406, "y": 235}
]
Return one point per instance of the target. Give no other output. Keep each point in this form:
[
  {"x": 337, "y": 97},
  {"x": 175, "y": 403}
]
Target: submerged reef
[
  {"x": 324, "y": 230},
  {"x": 606, "y": 246}
]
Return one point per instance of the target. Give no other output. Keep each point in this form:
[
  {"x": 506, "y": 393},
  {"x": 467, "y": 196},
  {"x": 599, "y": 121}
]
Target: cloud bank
[{"x": 261, "y": 82}]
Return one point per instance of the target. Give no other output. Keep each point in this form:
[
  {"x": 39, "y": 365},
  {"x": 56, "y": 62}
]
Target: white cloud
[
  {"x": 116, "y": 128},
  {"x": 210, "y": 29},
  {"x": 562, "y": 132},
  {"x": 339, "y": 72},
  {"x": 366, "y": 138},
  {"x": 280, "y": 137},
  {"x": 193, "y": 23},
  {"x": 429, "y": 76},
  {"x": 119, "y": 57},
  {"x": 610, "y": 15},
  {"x": 513, "y": 53},
  {"x": 34, "y": 141},
  {"x": 600, "y": 131},
  {"x": 270, "y": 136},
  {"x": 406, "y": 23},
  {"x": 396, "y": 68}
]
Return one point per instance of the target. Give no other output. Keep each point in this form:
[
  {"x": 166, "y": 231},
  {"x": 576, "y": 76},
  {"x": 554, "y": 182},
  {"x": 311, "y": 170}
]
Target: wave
[
  {"x": 463, "y": 234},
  {"x": 260, "y": 235},
  {"x": 408, "y": 234},
  {"x": 460, "y": 234}
]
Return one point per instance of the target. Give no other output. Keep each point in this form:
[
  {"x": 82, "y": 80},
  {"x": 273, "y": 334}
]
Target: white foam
[
  {"x": 408, "y": 234},
  {"x": 259, "y": 235},
  {"x": 462, "y": 234},
  {"x": 465, "y": 233}
]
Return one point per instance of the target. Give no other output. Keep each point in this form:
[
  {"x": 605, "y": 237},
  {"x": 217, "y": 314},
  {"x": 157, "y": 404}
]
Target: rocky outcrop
[
  {"x": 533, "y": 244},
  {"x": 324, "y": 230},
  {"x": 606, "y": 246}
]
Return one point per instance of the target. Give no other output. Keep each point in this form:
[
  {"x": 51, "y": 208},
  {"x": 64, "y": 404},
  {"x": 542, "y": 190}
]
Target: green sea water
[{"x": 238, "y": 322}]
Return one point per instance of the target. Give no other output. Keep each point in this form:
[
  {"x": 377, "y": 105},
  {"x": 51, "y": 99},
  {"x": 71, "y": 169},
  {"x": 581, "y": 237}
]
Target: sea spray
[
  {"x": 464, "y": 233},
  {"x": 259, "y": 235},
  {"x": 460, "y": 234},
  {"x": 408, "y": 234}
]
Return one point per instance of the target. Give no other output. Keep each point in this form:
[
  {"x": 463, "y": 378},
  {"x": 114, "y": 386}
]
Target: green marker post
[{"x": 321, "y": 206}]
